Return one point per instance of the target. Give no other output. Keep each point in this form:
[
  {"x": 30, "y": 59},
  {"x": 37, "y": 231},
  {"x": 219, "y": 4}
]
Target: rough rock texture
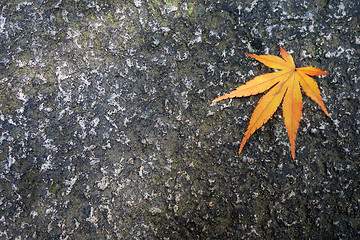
[{"x": 108, "y": 131}]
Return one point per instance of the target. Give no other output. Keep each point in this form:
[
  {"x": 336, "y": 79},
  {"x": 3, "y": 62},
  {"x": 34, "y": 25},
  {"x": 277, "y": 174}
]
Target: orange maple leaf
[{"x": 287, "y": 83}]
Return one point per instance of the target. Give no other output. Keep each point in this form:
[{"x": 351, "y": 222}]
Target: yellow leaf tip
[
  {"x": 216, "y": 100},
  {"x": 293, "y": 153},
  {"x": 321, "y": 72},
  {"x": 240, "y": 149}
]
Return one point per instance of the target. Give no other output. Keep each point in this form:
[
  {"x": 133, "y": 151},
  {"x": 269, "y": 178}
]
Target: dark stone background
[{"x": 108, "y": 131}]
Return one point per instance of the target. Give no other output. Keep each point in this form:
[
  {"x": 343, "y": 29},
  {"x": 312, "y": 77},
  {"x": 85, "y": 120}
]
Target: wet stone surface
[{"x": 108, "y": 131}]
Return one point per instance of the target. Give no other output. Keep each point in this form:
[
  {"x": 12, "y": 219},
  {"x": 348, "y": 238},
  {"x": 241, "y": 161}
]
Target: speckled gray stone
[{"x": 108, "y": 130}]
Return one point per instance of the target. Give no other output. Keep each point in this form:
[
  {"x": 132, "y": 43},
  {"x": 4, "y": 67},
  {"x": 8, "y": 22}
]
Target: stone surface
[{"x": 108, "y": 131}]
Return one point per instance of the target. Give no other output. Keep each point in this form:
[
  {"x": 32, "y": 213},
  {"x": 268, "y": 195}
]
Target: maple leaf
[{"x": 283, "y": 84}]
